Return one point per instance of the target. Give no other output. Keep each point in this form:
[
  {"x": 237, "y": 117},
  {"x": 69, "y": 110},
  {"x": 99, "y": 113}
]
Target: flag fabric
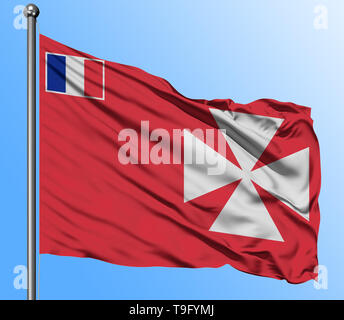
[{"x": 134, "y": 173}]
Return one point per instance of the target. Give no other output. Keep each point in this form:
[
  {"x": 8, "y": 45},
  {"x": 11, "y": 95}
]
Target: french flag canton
[{"x": 75, "y": 76}]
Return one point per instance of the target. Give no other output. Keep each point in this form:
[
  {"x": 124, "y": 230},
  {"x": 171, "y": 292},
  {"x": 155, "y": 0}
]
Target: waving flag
[{"x": 134, "y": 173}]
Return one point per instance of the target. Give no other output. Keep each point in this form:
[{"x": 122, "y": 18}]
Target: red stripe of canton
[{"x": 93, "y": 78}]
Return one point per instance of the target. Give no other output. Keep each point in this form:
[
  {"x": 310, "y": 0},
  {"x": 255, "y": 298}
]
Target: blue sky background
[{"x": 243, "y": 50}]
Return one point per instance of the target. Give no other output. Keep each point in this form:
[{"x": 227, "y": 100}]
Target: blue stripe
[{"x": 56, "y": 77}]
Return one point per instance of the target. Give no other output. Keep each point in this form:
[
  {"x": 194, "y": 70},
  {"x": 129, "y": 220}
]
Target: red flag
[{"x": 134, "y": 173}]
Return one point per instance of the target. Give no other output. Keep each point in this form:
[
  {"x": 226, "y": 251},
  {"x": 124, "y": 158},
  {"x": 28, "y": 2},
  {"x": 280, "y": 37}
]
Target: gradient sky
[{"x": 243, "y": 50}]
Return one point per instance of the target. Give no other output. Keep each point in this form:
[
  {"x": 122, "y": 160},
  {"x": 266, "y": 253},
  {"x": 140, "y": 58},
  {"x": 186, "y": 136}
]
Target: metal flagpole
[{"x": 31, "y": 12}]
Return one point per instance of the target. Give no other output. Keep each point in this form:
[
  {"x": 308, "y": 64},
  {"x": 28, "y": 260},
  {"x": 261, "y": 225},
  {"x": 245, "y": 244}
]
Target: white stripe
[{"x": 75, "y": 76}]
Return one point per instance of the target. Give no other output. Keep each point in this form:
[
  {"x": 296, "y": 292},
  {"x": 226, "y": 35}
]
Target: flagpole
[{"x": 31, "y": 12}]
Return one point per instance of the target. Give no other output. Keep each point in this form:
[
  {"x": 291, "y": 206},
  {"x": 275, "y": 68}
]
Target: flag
[{"x": 134, "y": 173}]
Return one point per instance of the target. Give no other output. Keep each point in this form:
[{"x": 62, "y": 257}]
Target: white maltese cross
[{"x": 245, "y": 214}]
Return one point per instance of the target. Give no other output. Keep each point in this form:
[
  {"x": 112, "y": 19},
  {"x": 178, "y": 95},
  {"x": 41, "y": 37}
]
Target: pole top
[{"x": 31, "y": 10}]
